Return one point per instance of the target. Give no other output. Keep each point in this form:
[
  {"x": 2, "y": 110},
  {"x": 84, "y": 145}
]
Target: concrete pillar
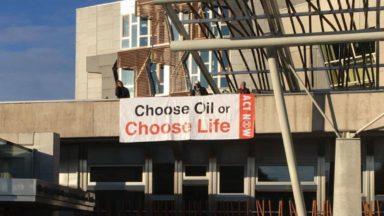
[
  {"x": 83, "y": 167},
  {"x": 250, "y": 182},
  {"x": 369, "y": 179},
  {"x": 320, "y": 184},
  {"x": 148, "y": 188},
  {"x": 347, "y": 186},
  {"x": 212, "y": 183},
  {"x": 178, "y": 185}
]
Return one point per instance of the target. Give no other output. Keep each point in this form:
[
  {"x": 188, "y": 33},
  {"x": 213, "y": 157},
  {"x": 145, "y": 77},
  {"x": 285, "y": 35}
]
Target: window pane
[
  {"x": 225, "y": 31},
  {"x": 194, "y": 79},
  {"x": 143, "y": 26},
  {"x": 116, "y": 174},
  {"x": 203, "y": 81},
  {"x": 144, "y": 41},
  {"x": 379, "y": 178},
  {"x": 175, "y": 33},
  {"x": 214, "y": 64},
  {"x": 157, "y": 78},
  {"x": 232, "y": 179},
  {"x": 205, "y": 56},
  {"x": 134, "y": 19},
  {"x": 362, "y": 48},
  {"x": 134, "y": 35},
  {"x": 126, "y": 26},
  {"x": 15, "y": 162},
  {"x": 131, "y": 91},
  {"x": 163, "y": 178},
  {"x": 125, "y": 43},
  {"x": 128, "y": 77},
  {"x": 194, "y": 67},
  {"x": 195, "y": 170},
  {"x": 223, "y": 82},
  {"x": 280, "y": 173}
]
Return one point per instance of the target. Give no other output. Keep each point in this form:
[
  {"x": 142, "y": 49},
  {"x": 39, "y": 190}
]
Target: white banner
[{"x": 216, "y": 117}]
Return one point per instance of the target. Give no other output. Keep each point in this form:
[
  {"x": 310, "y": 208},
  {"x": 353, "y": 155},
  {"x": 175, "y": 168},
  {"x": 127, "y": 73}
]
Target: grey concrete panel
[{"x": 347, "y": 185}]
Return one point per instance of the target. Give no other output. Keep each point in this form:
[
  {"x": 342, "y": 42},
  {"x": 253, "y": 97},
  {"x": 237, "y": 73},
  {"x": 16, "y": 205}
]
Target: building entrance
[{"x": 114, "y": 202}]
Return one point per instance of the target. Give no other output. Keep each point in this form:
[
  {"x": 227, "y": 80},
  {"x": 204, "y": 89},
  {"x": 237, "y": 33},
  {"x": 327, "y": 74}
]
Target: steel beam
[
  {"x": 265, "y": 42},
  {"x": 200, "y": 63},
  {"x": 286, "y": 133},
  {"x": 158, "y": 2}
]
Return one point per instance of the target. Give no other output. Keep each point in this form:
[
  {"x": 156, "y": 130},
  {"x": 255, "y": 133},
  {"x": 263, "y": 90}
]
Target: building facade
[{"x": 130, "y": 41}]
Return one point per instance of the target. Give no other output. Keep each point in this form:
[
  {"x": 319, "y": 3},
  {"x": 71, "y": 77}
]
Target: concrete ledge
[{"x": 100, "y": 118}]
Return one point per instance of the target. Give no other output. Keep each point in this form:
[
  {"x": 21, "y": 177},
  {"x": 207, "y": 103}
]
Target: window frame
[{"x": 137, "y": 25}]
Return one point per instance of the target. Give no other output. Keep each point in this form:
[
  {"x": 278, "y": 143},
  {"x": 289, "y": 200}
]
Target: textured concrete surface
[
  {"x": 97, "y": 33},
  {"x": 347, "y": 186}
]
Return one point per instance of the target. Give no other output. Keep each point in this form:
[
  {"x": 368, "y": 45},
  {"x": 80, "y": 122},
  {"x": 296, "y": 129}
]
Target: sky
[{"x": 37, "y": 48}]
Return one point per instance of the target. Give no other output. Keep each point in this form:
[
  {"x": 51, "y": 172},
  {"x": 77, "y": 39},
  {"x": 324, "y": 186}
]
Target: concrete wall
[
  {"x": 101, "y": 118},
  {"x": 98, "y": 31},
  {"x": 101, "y": 66}
]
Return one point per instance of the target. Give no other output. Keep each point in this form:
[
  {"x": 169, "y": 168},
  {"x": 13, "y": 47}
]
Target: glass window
[
  {"x": 136, "y": 32},
  {"x": 144, "y": 41},
  {"x": 126, "y": 26},
  {"x": 223, "y": 82},
  {"x": 195, "y": 170},
  {"x": 116, "y": 174},
  {"x": 160, "y": 78},
  {"x": 231, "y": 179},
  {"x": 205, "y": 56},
  {"x": 363, "y": 48},
  {"x": 143, "y": 26},
  {"x": 134, "y": 19},
  {"x": 379, "y": 178},
  {"x": 128, "y": 79},
  {"x": 352, "y": 54},
  {"x": 280, "y": 173},
  {"x": 134, "y": 35},
  {"x": 15, "y": 161},
  {"x": 225, "y": 31},
  {"x": 163, "y": 179},
  {"x": 125, "y": 43}
]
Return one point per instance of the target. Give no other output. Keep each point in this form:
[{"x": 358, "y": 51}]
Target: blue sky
[{"x": 37, "y": 48}]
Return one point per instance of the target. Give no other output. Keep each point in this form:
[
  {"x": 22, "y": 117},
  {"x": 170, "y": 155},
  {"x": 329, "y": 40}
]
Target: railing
[
  {"x": 374, "y": 208},
  {"x": 220, "y": 208}
]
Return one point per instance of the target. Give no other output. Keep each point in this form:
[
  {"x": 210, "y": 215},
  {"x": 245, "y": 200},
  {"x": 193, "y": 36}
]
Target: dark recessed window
[
  {"x": 232, "y": 179},
  {"x": 379, "y": 178},
  {"x": 116, "y": 174},
  {"x": 163, "y": 179},
  {"x": 281, "y": 174},
  {"x": 195, "y": 170},
  {"x": 363, "y": 48}
]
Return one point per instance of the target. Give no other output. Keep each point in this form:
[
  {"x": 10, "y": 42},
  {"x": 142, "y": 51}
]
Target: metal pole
[
  {"x": 265, "y": 42},
  {"x": 286, "y": 133},
  {"x": 369, "y": 124}
]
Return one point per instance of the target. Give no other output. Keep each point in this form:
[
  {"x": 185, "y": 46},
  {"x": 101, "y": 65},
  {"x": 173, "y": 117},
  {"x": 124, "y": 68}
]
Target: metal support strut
[{"x": 286, "y": 132}]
